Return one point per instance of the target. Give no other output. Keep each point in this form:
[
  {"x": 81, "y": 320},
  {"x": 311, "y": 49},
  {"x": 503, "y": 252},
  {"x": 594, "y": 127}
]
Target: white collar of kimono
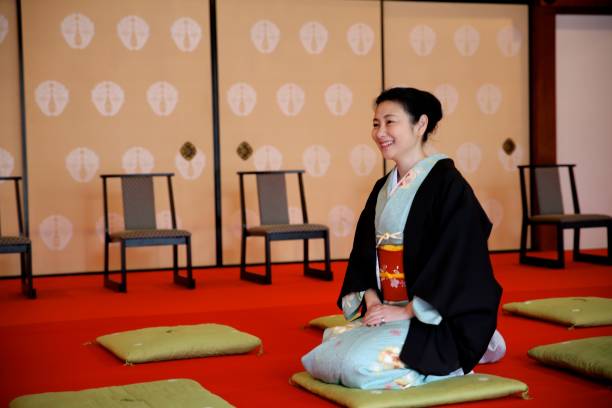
[{"x": 391, "y": 213}]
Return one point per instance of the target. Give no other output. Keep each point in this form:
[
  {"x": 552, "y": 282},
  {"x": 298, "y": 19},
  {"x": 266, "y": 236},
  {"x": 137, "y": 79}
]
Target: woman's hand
[{"x": 380, "y": 314}]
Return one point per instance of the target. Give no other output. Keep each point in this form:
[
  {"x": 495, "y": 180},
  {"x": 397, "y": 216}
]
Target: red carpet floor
[{"x": 46, "y": 344}]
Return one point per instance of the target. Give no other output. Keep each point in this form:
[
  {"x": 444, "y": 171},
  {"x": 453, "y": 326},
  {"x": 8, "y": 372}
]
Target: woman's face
[{"x": 393, "y": 131}]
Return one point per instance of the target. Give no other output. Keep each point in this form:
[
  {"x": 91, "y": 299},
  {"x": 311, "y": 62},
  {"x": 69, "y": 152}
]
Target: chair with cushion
[
  {"x": 19, "y": 244},
  {"x": 140, "y": 225},
  {"x": 546, "y": 208},
  {"x": 275, "y": 225}
]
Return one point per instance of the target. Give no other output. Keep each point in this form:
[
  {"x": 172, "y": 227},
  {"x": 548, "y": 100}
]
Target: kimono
[{"x": 442, "y": 230}]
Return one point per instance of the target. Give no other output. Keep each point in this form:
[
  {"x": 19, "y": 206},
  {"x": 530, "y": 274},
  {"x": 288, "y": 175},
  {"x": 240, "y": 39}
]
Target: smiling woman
[{"x": 419, "y": 272}]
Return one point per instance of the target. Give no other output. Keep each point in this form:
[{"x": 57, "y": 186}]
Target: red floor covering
[{"x": 45, "y": 345}]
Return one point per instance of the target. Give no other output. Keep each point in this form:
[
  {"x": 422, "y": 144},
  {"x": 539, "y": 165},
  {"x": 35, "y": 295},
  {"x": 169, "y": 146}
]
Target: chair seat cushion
[
  {"x": 571, "y": 218},
  {"x": 178, "y": 342},
  {"x": 153, "y": 233},
  {"x": 286, "y": 228},
  {"x": 11, "y": 240},
  {"x": 325, "y": 322},
  {"x": 590, "y": 356},
  {"x": 180, "y": 393},
  {"x": 471, "y": 387},
  {"x": 570, "y": 311}
]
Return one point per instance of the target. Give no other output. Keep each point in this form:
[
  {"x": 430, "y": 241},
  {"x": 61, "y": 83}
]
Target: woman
[{"x": 419, "y": 271}]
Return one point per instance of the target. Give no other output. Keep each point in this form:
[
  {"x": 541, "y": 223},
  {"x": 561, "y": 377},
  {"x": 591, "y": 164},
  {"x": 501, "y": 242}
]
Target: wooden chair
[
  {"x": 546, "y": 208},
  {"x": 275, "y": 226},
  {"x": 19, "y": 244},
  {"x": 140, "y": 226}
]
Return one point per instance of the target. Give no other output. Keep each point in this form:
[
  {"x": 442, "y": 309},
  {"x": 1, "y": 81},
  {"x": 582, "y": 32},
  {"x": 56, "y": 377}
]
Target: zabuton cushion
[
  {"x": 178, "y": 342},
  {"x": 473, "y": 387},
  {"x": 180, "y": 393},
  {"x": 570, "y": 311}
]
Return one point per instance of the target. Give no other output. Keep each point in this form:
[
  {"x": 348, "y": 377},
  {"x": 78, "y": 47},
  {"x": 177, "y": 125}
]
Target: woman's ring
[{"x": 382, "y": 320}]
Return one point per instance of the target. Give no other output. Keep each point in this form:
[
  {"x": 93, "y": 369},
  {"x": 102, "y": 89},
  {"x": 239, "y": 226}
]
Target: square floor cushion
[
  {"x": 181, "y": 393},
  {"x": 590, "y": 356},
  {"x": 325, "y": 322},
  {"x": 473, "y": 387},
  {"x": 570, "y": 311},
  {"x": 178, "y": 342}
]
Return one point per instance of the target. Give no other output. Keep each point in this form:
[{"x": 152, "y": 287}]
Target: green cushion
[
  {"x": 472, "y": 387},
  {"x": 570, "y": 311},
  {"x": 177, "y": 342},
  {"x": 156, "y": 394},
  {"x": 325, "y": 322},
  {"x": 591, "y": 356}
]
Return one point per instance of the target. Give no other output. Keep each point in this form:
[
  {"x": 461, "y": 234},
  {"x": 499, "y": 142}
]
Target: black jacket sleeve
[
  {"x": 450, "y": 269},
  {"x": 360, "y": 272}
]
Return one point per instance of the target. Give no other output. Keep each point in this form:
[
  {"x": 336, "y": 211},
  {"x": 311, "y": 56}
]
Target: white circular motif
[
  {"x": 494, "y": 210},
  {"x": 290, "y": 99},
  {"x": 363, "y": 159},
  {"x": 314, "y": 37},
  {"x": 265, "y": 36},
  {"x": 115, "y": 223},
  {"x": 78, "y": 30},
  {"x": 186, "y": 33},
  {"x": 338, "y": 98},
  {"x": 82, "y": 164},
  {"x": 163, "y": 220},
  {"x": 137, "y": 160},
  {"x": 316, "y": 159},
  {"x": 509, "y": 40},
  {"x": 108, "y": 98},
  {"x": 422, "y": 39},
  {"x": 509, "y": 162},
  {"x": 489, "y": 98},
  {"x": 241, "y": 98},
  {"x": 190, "y": 169},
  {"x": 7, "y": 163},
  {"x": 133, "y": 32},
  {"x": 467, "y": 40},
  {"x": 4, "y": 28},
  {"x": 341, "y": 219},
  {"x": 162, "y": 97},
  {"x": 51, "y": 97},
  {"x": 448, "y": 96},
  {"x": 267, "y": 158},
  {"x": 469, "y": 156},
  {"x": 360, "y": 38},
  {"x": 55, "y": 231}
]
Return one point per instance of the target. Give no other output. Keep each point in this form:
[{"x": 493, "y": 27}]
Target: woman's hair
[{"x": 415, "y": 103}]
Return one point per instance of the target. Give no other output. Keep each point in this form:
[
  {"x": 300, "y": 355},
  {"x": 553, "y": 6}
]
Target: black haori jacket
[{"x": 446, "y": 263}]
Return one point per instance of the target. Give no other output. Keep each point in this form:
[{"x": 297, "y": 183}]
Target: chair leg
[
  {"x": 596, "y": 259},
  {"x": 243, "y": 256},
  {"x": 560, "y": 248},
  {"x": 188, "y": 280},
  {"x": 27, "y": 280},
  {"x": 108, "y": 282},
  {"x": 268, "y": 278},
  {"x": 576, "y": 249},
  {"x": 305, "y": 255},
  {"x": 326, "y": 272},
  {"x": 537, "y": 261},
  {"x": 175, "y": 269}
]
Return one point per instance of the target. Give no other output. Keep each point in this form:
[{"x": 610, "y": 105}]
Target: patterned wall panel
[
  {"x": 114, "y": 87},
  {"x": 297, "y": 82},
  {"x": 474, "y": 57},
  {"x": 10, "y": 127}
]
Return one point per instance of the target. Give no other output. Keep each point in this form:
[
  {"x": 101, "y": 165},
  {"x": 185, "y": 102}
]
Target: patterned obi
[{"x": 392, "y": 282}]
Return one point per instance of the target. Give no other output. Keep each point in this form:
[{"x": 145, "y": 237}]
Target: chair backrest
[
  {"x": 272, "y": 196},
  {"x": 138, "y": 194},
  {"x": 545, "y": 193},
  {"x": 16, "y": 181}
]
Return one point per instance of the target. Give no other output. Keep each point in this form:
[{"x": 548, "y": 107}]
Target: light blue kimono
[{"x": 360, "y": 356}]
